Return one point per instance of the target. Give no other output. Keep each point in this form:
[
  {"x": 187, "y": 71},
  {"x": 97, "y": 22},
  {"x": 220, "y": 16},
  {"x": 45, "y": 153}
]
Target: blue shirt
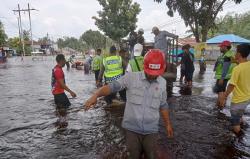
[{"x": 144, "y": 101}]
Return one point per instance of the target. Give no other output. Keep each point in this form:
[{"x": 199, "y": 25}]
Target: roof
[
  {"x": 230, "y": 37},
  {"x": 184, "y": 41}
]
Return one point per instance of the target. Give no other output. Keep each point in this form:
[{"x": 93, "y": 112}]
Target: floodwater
[{"x": 27, "y": 119}]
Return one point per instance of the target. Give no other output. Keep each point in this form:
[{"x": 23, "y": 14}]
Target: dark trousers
[
  {"x": 112, "y": 96},
  {"x": 62, "y": 103},
  {"x": 138, "y": 145},
  {"x": 97, "y": 72}
]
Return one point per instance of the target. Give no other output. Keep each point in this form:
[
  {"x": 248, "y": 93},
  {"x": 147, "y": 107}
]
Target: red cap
[
  {"x": 154, "y": 62},
  {"x": 225, "y": 43}
]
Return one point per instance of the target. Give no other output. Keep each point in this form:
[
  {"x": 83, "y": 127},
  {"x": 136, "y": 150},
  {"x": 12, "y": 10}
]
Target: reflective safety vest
[
  {"x": 136, "y": 63},
  {"x": 96, "y": 63},
  {"x": 113, "y": 66},
  {"x": 219, "y": 67}
]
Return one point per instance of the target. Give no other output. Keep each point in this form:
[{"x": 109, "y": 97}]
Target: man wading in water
[
  {"x": 239, "y": 85},
  {"x": 223, "y": 68},
  {"x": 58, "y": 86},
  {"x": 146, "y": 99}
]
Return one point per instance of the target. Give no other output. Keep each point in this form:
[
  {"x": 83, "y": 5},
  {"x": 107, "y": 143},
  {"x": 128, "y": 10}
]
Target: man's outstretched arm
[{"x": 103, "y": 91}]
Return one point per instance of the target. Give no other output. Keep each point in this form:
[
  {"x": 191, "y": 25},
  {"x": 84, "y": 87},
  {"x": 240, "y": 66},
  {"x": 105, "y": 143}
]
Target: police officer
[{"x": 112, "y": 69}]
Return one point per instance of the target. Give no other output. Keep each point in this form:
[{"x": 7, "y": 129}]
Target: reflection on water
[{"x": 28, "y": 116}]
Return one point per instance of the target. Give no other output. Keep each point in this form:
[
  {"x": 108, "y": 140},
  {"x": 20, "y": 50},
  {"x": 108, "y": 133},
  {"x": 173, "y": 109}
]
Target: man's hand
[
  {"x": 170, "y": 131},
  {"x": 98, "y": 84},
  {"x": 72, "y": 94},
  {"x": 221, "y": 81},
  {"x": 222, "y": 100},
  {"x": 90, "y": 102}
]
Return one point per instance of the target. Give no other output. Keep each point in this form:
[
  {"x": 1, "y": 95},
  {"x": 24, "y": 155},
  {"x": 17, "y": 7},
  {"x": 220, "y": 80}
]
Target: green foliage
[
  {"x": 89, "y": 40},
  {"x": 26, "y": 35},
  {"x": 117, "y": 18},
  {"x": 3, "y": 36},
  {"x": 16, "y": 44},
  {"x": 94, "y": 39},
  {"x": 71, "y": 42},
  {"x": 44, "y": 39},
  {"x": 197, "y": 14},
  {"x": 238, "y": 24}
]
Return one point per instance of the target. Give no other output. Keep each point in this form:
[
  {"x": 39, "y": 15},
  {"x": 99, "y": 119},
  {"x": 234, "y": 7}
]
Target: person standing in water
[
  {"x": 223, "y": 68},
  {"x": 58, "y": 86},
  {"x": 96, "y": 65},
  {"x": 239, "y": 85},
  {"x": 112, "y": 68},
  {"x": 146, "y": 103},
  {"x": 188, "y": 61}
]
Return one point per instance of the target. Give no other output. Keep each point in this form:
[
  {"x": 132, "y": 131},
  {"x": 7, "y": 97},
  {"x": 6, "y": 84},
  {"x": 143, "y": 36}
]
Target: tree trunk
[
  {"x": 197, "y": 37},
  {"x": 195, "y": 32},
  {"x": 204, "y": 32}
]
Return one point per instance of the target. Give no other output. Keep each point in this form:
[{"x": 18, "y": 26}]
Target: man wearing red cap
[
  {"x": 146, "y": 99},
  {"x": 223, "y": 68}
]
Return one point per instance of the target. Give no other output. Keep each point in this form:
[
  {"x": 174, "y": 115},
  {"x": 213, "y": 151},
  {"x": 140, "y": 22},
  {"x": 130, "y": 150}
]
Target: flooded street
[{"x": 27, "y": 119}]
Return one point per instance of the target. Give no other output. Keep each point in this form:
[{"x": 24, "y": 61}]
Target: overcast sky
[{"x": 61, "y": 18}]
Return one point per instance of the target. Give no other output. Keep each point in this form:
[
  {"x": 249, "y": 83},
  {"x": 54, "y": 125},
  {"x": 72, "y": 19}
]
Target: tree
[
  {"x": 27, "y": 42},
  {"x": 26, "y": 35},
  {"x": 238, "y": 24},
  {"x": 15, "y": 43},
  {"x": 44, "y": 40},
  {"x": 3, "y": 36},
  {"x": 94, "y": 39},
  {"x": 197, "y": 14},
  {"x": 70, "y": 42},
  {"x": 117, "y": 18}
]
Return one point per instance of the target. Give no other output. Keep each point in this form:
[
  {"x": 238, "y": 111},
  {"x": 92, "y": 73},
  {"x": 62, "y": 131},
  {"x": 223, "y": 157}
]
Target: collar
[
  {"x": 58, "y": 66},
  {"x": 143, "y": 77}
]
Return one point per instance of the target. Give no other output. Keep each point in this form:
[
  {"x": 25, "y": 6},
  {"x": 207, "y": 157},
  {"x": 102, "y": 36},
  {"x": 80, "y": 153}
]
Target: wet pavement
[{"x": 27, "y": 119}]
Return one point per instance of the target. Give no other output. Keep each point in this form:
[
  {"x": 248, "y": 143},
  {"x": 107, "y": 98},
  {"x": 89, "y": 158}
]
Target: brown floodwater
[{"x": 27, "y": 119}]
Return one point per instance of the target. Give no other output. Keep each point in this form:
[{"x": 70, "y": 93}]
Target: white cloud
[
  {"x": 73, "y": 17},
  {"x": 50, "y": 22}
]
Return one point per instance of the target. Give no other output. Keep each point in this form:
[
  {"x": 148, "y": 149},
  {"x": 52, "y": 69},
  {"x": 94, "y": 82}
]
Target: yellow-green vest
[
  {"x": 96, "y": 63},
  {"x": 219, "y": 68},
  {"x": 136, "y": 63},
  {"x": 113, "y": 66}
]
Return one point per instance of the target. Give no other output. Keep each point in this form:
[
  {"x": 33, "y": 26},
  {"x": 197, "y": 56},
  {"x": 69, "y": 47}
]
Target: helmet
[
  {"x": 141, "y": 31},
  {"x": 154, "y": 62},
  {"x": 225, "y": 43},
  {"x": 138, "y": 49}
]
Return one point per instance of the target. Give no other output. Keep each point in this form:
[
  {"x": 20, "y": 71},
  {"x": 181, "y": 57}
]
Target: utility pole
[
  {"x": 30, "y": 28},
  {"x": 19, "y": 31},
  {"x": 20, "y": 27},
  {"x": 20, "y": 24}
]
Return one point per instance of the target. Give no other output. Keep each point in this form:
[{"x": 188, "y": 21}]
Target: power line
[
  {"x": 20, "y": 24},
  {"x": 19, "y": 20}
]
